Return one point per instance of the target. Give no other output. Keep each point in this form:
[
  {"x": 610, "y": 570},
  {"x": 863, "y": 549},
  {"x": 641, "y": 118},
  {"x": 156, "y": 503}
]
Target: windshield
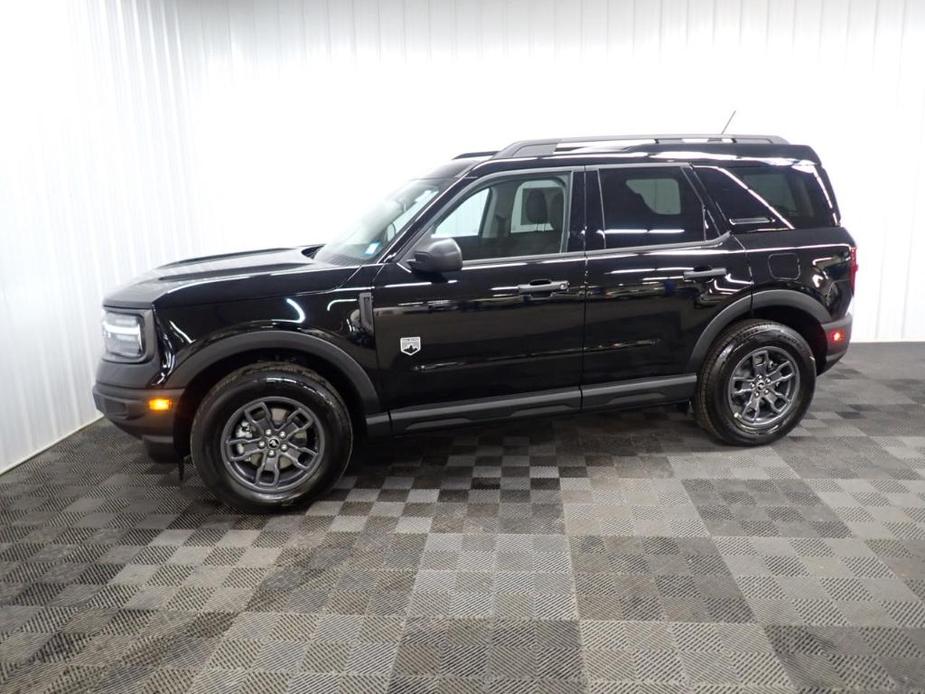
[{"x": 365, "y": 238}]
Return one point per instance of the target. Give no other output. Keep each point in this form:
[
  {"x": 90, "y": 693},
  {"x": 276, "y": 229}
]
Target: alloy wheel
[
  {"x": 763, "y": 388},
  {"x": 272, "y": 444}
]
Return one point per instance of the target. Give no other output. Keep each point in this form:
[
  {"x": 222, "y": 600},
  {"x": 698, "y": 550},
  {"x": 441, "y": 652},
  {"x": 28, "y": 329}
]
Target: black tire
[
  {"x": 277, "y": 382},
  {"x": 723, "y": 414}
]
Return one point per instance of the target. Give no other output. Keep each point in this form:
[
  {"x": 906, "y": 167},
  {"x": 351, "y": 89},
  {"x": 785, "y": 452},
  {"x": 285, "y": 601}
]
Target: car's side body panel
[
  {"x": 814, "y": 262},
  {"x": 644, "y": 316},
  {"x": 647, "y": 305},
  {"x": 471, "y": 332}
]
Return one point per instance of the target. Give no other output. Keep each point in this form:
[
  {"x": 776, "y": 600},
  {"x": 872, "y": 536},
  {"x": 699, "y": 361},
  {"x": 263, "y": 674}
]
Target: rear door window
[{"x": 649, "y": 205}]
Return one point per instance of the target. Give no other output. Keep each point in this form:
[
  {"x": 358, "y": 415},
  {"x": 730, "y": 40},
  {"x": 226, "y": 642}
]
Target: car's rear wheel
[
  {"x": 271, "y": 435},
  {"x": 755, "y": 384}
]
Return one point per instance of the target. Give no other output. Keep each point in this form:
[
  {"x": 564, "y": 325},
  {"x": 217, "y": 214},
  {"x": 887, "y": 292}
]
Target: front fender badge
[{"x": 410, "y": 345}]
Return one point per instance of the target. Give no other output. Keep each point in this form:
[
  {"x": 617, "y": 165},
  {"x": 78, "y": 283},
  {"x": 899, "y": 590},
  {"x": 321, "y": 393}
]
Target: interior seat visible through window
[
  {"x": 546, "y": 237},
  {"x": 649, "y": 205},
  {"x": 512, "y": 217}
]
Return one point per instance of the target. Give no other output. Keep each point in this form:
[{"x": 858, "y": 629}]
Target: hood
[{"x": 231, "y": 277}]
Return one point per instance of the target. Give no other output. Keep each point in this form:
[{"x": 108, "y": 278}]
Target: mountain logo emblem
[{"x": 410, "y": 345}]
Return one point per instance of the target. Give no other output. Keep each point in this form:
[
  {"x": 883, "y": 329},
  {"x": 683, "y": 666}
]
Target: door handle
[
  {"x": 705, "y": 273},
  {"x": 542, "y": 287}
]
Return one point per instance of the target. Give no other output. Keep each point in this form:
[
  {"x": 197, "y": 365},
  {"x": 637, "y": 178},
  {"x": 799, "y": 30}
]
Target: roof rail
[
  {"x": 540, "y": 148},
  {"x": 473, "y": 155}
]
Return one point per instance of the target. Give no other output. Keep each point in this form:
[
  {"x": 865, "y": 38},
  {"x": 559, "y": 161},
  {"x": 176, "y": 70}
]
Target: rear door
[
  {"x": 658, "y": 273},
  {"x": 503, "y": 335}
]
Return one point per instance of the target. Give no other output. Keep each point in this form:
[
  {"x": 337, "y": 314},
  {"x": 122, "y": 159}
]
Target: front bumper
[
  {"x": 837, "y": 337},
  {"x": 128, "y": 409}
]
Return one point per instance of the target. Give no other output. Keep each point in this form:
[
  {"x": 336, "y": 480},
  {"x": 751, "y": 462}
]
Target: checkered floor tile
[{"x": 601, "y": 553}]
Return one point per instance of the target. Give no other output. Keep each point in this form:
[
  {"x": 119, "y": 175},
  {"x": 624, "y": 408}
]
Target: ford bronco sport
[{"x": 550, "y": 277}]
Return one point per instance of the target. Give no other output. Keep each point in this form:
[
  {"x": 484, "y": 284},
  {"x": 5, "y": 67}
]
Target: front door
[
  {"x": 503, "y": 335},
  {"x": 658, "y": 273}
]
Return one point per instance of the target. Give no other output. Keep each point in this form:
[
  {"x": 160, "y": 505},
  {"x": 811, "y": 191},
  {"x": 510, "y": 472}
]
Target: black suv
[{"x": 550, "y": 277}]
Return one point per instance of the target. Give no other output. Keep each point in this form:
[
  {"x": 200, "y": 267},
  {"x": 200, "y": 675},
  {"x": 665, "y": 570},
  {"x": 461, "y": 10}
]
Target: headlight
[{"x": 123, "y": 335}]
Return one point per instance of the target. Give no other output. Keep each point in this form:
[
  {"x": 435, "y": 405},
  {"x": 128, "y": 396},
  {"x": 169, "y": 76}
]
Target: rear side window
[
  {"x": 758, "y": 198},
  {"x": 649, "y": 205}
]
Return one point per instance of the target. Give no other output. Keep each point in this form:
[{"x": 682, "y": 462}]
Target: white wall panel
[{"x": 139, "y": 132}]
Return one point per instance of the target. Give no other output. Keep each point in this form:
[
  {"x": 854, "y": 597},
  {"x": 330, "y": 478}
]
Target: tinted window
[
  {"x": 661, "y": 195},
  {"x": 512, "y": 217},
  {"x": 744, "y": 209},
  {"x": 644, "y": 206},
  {"x": 792, "y": 197}
]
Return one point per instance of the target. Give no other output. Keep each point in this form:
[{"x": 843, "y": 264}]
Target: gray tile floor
[{"x": 603, "y": 553}]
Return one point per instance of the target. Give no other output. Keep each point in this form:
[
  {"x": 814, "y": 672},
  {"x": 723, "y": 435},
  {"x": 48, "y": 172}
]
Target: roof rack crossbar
[{"x": 545, "y": 147}]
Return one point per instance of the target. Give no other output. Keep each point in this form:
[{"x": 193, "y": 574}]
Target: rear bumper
[
  {"x": 128, "y": 409},
  {"x": 837, "y": 336}
]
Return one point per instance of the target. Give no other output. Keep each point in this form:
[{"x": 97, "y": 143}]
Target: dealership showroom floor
[{"x": 604, "y": 553}]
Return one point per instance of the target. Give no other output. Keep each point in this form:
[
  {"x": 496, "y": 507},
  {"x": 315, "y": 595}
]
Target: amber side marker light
[
  {"x": 837, "y": 336},
  {"x": 159, "y": 404}
]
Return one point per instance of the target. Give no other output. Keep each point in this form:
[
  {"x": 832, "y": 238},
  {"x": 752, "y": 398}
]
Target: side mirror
[{"x": 437, "y": 256}]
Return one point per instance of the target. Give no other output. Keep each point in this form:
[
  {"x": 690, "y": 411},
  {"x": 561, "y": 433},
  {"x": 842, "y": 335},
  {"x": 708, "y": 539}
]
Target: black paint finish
[
  {"x": 588, "y": 327},
  {"x": 480, "y": 337},
  {"x": 644, "y": 315}
]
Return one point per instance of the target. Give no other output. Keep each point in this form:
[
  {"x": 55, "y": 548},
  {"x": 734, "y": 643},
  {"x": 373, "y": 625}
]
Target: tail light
[{"x": 853, "y": 269}]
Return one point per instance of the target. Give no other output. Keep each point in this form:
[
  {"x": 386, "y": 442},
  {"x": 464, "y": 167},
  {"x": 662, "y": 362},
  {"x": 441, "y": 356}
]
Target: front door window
[{"x": 514, "y": 217}]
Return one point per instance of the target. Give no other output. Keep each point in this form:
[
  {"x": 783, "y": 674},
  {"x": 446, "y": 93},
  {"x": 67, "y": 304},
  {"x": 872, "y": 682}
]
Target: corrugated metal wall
[{"x": 136, "y": 133}]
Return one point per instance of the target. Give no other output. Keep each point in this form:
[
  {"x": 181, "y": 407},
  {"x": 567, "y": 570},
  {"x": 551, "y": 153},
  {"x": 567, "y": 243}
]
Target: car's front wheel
[
  {"x": 755, "y": 384},
  {"x": 271, "y": 435}
]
